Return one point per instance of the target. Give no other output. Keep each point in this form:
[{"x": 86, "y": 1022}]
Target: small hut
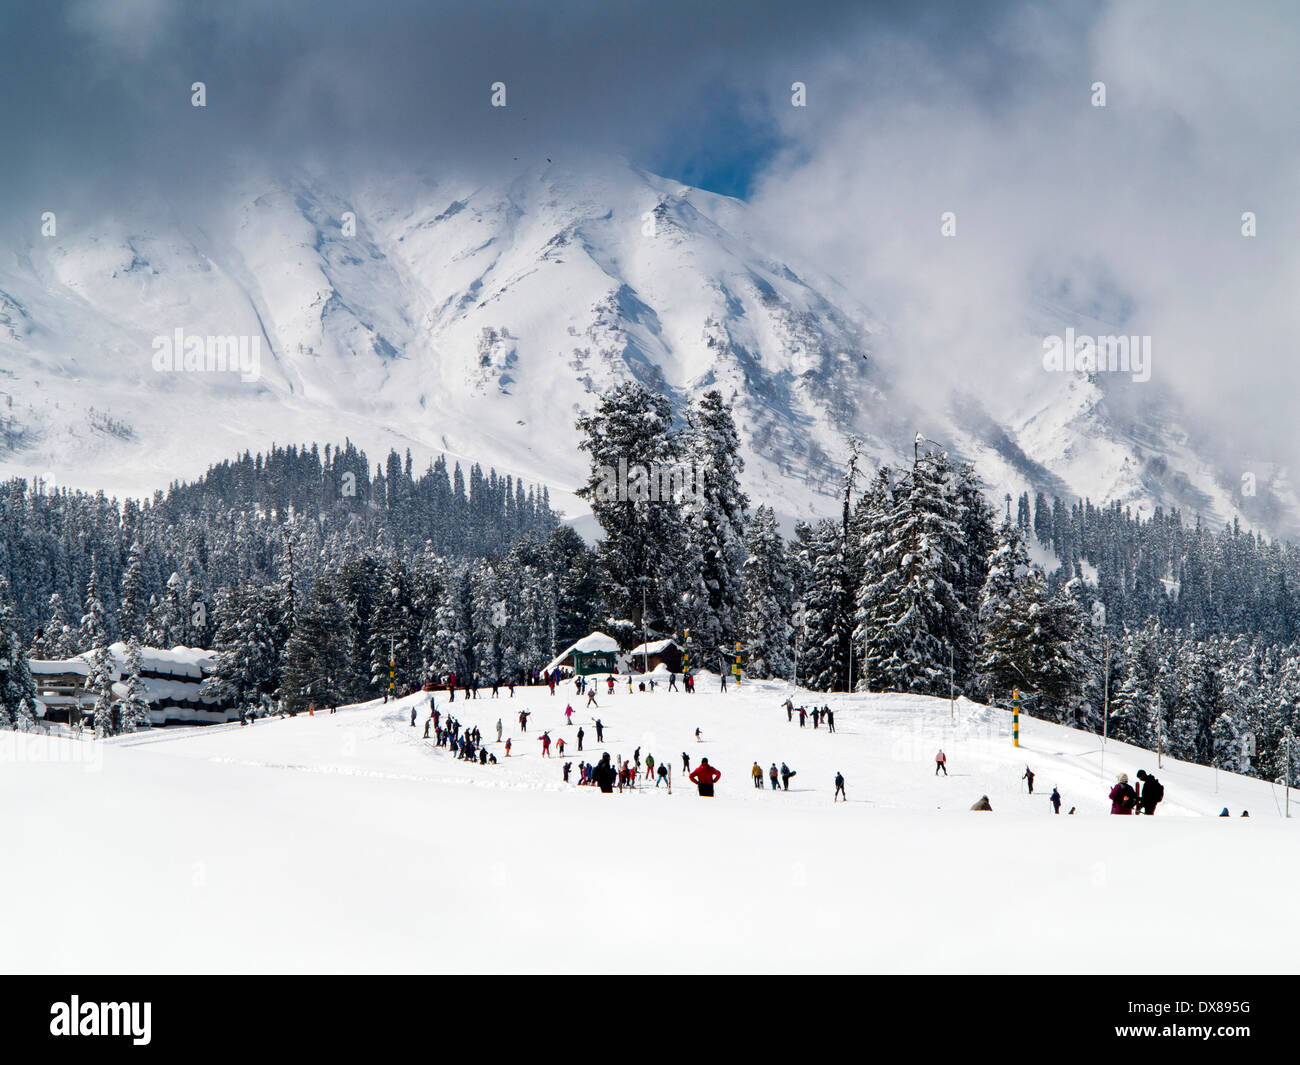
[
  {"x": 647, "y": 657},
  {"x": 596, "y": 653}
]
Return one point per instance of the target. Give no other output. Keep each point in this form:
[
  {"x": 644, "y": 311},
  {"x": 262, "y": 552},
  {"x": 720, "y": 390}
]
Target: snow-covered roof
[
  {"x": 596, "y": 641},
  {"x": 180, "y": 662},
  {"x": 654, "y": 647},
  {"x": 156, "y": 691},
  {"x": 40, "y": 667}
]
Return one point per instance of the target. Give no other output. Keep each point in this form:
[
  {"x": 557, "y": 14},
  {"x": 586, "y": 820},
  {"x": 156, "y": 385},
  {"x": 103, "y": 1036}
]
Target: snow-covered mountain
[{"x": 479, "y": 319}]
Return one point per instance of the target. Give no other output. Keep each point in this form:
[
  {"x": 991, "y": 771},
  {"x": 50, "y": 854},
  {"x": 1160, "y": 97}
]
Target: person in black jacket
[
  {"x": 1152, "y": 792},
  {"x": 604, "y": 774}
]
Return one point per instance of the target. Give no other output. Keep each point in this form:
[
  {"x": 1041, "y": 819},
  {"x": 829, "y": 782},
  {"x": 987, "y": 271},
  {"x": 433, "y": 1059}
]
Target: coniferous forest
[{"x": 305, "y": 569}]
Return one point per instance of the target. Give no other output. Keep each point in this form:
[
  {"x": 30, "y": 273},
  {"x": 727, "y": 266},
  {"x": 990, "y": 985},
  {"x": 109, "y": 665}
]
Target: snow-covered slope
[
  {"x": 479, "y": 318},
  {"x": 346, "y": 842}
]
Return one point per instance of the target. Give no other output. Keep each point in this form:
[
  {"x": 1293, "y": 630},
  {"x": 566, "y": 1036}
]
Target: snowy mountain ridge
[{"x": 479, "y": 319}]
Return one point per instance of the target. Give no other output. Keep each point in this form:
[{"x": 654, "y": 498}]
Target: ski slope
[{"x": 346, "y": 843}]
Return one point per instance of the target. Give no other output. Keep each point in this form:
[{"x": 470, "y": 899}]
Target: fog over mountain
[{"x": 885, "y": 260}]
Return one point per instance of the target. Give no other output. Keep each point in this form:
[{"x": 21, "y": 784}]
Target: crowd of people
[{"x": 609, "y": 773}]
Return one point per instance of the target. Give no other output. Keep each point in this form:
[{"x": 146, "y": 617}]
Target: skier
[
  {"x": 786, "y": 774},
  {"x": 427, "y": 723},
  {"x": 496, "y": 687},
  {"x": 704, "y": 777},
  {"x": 1152, "y": 792},
  {"x": 559, "y": 746},
  {"x": 1122, "y": 796},
  {"x": 567, "y": 767},
  {"x": 511, "y": 685},
  {"x": 580, "y": 735},
  {"x": 697, "y": 736},
  {"x": 772, "y": 776},
  {"x": 672, "y": 687},
  {"x": 724, "y": 682},
  {"x": 1055, "y": 800},
  {"x": 546, "y": 744},
  {"x": 498, "y": 730},
  {"x": 789, "y": 710},
  {"x": 600, "y": 731},
  {"x": 686, "y": 762},
  {"x": 816, "y": 716},
  {"x": 649, "y": 767},
  {"x": 507, "y": 748},
  {"x": 568, "y": 715},
  {"x": 1029, "y": 778},
  {"x": 940, "y": 762},
  {"x": 663, "y": 776},
  {"x": 803, "y": 716},
  {"x": 757, "y": 774},
  {"x": 829, "y": 714},
  {"x": 610, "y": 683},
  {"x": 591, "y": 699},
  {"x": 523, "y": 720},
  {"x": 839, "y": 787},
  {"x": 412, "y": 717}
]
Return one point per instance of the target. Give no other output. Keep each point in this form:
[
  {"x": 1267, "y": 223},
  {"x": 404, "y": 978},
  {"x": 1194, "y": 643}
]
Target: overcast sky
[{"x": 1126, "y": 218}]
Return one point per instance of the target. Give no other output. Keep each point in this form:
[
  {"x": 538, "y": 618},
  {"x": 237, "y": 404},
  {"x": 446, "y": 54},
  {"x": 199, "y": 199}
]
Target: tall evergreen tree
[
  {"x": 715, "y": 516},
  {"x": 633, "y": 450},
  {"x": 17, "y": 691},
  {"x": 767, "y": 623}
]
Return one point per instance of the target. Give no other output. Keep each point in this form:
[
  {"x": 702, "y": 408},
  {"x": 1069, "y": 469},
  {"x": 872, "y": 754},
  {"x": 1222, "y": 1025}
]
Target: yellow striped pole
[
  {"x": 736, "y": 668},
  {"x": 1015, "y": 717}
]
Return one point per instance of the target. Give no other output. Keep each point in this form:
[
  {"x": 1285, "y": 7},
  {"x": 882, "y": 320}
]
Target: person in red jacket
[
  {"x": 940, "y": 762},
  {"x": 704, "y": 777},
  {"x": 1122, "y": 796},
  {"x": 546, "y": 744}
]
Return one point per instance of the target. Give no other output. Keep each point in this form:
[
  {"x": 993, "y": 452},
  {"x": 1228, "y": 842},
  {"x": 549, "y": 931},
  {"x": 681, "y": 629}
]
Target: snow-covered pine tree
[
  {"x": 131, "y": 615},
  {"x": 247, "y": 642},
  {"x": 55, "y": 639},
  {"x": 317, "y": 652},
  {"x": 633, "y": 449},
  {"x": 449, "y": 645},
  {"x": 134, "y": 705},
  {"x": 828, "y": 599},
  {"x": 715, "y": 516},
  {"x": 491, "y": 614},
  {"x": 768, "y": 599},
  {"x": 394, "y": 632},
  {"x": 17, "y": 691},
  {"x": 1036, "y": 643},
  {"x": 165, "y": 622},
  {"x": 978, "y": 539},
  {"x": 910, "y": 615},
  {"x": 103, "y": 670}
]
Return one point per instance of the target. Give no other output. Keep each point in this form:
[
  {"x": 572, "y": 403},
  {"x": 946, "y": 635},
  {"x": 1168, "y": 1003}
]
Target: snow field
[{"x": 346, "y": 843}]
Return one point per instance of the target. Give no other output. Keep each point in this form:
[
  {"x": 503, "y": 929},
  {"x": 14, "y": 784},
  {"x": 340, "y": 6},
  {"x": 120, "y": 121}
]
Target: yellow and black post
[
  {"x": 736, "y": 668},
  {"x": 686, "y": 656},
  {"x": 1015, "y": 717}
]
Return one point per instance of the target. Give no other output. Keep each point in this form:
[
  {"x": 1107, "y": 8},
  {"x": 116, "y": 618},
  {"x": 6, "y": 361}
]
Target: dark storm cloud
[{"x": 98, "y": 94}]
